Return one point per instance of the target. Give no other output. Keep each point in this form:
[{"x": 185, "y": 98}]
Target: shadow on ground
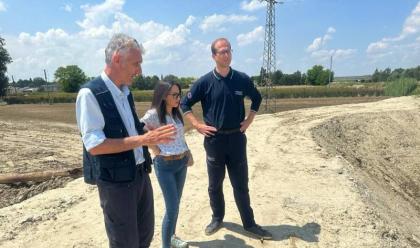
[{"x": 308, "y": 232}]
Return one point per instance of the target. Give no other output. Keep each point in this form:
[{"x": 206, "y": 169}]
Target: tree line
[
  {"x": 316, "y": 75},
  {"x": 392, "y": 75}
]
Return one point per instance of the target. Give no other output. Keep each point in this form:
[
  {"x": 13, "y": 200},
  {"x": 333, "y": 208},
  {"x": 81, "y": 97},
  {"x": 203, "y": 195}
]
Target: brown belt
[{"x": 175, "y": 157}]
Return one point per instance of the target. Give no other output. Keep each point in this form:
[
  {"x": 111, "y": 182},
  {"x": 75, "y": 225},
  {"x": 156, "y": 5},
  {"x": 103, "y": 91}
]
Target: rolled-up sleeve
[
  {"x": 90, "y": 120},
  {"x": 192, "y": 97}
]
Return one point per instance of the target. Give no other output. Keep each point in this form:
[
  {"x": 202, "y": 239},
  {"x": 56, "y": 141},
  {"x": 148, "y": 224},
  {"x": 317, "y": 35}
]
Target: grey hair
[
  {"x": 213, "y": 44},
  {"x": 120, "y": 43}
]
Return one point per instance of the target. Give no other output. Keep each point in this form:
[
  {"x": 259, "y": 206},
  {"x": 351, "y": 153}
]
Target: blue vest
[{"x": 116, "y": 167}]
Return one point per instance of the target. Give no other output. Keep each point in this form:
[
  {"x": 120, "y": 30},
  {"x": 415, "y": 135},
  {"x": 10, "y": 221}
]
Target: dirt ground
[
  {"x": 320, "y": 177},
  {"x": 382, "y": 149},
  {"x": 29, "y": 135}
]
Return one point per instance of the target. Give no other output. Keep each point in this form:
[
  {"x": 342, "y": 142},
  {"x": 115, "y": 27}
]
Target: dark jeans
[
  {"x": 128, "y": 211},
  {"x": 171, "y": 177},
  {"x": 228, "y": 151}
]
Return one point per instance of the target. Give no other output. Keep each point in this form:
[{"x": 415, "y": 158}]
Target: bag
[{"x": 190, "y": 161}]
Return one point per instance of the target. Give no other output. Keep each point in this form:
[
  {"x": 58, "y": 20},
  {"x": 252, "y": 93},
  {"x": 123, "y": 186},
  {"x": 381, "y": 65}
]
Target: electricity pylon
[{"x": 269, "y": 56}]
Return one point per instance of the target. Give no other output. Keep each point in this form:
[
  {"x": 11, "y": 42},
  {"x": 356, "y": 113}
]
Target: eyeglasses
[
  {"x": 224, "y": 51},
  {"x": 175, "y": 95}
]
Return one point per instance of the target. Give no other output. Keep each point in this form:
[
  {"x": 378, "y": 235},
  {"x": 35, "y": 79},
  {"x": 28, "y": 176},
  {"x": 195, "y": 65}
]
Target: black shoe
[
  {"x": 213, "y": 227},
  {"x": 259, "y": 232}
]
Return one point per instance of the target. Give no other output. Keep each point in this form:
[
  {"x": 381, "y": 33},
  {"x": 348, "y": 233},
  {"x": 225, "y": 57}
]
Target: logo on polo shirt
[
  {"x": 238, "y": 93},
  {"x": 189, "y": 95}
]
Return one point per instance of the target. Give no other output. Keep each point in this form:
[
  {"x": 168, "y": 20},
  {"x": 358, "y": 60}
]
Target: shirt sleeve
[
  {"x": 253, "y": 93},
  {"x": 90, "y": 120},
  {"x": 150, "y": 119},
  {"x": 193, "y": 96}
]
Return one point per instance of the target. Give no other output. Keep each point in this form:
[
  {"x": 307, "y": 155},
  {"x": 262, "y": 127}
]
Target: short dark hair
[
  {"x": 213, "y": 44},
  {"x": 161, "y": 91}
]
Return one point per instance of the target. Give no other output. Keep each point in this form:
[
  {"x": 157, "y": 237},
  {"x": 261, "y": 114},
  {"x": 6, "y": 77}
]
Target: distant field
[{"x": 65, "y": 112}]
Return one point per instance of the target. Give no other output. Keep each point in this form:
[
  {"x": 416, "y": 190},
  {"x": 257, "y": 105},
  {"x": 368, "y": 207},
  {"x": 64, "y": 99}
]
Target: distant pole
[
  {"x": 329, "y": 79},
  {"x": 48, "y": 90},
  {"x": 14, "y": 85}
]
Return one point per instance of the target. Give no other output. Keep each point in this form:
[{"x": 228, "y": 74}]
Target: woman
[{"x": 171, "y": 159}]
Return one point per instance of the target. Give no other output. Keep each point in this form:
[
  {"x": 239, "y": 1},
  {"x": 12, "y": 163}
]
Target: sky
[{"x": 359, "y": 35}]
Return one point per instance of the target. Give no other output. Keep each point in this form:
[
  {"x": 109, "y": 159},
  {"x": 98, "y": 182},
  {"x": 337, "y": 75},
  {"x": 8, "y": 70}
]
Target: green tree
[
  {"x": 4, "y": 60},
  {"x": 170, "y": 77},
  {"x": 277, "y": 77},
  {"x": 318, "y": 76},
  {"x": 70, "y": 78},
  {"x": 186, "y": 82}
]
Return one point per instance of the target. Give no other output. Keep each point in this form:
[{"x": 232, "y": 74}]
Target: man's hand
[
  {"x": 204, "y": 129},
  {"x": 247, "y": 122},
  {"x": 160, "y": 135},
  {"x": 201, "y": 127}
]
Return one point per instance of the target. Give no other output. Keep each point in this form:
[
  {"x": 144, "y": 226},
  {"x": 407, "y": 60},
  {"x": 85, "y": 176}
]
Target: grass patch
[{"x": 401, "y": 87}]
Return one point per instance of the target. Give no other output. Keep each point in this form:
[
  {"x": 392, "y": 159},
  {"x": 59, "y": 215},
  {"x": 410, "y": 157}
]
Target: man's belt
[
  {"x": 228, "y": 131},
  {"x": 175, "y": 157}
]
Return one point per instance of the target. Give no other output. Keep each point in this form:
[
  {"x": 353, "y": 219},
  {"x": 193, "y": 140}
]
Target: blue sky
[{"x": 360, "y": 35}]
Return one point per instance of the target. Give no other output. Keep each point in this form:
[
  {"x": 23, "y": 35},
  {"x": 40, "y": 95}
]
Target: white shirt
[
  {"x": 178, "y": 145},
  {"x": 90, "y": 120}
]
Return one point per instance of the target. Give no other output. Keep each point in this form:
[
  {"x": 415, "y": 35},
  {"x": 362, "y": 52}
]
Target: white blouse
[{"x": 178, "y": 145}]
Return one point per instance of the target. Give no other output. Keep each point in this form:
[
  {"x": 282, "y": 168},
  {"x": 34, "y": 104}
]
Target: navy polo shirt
[{"x": 222, "y": 98}]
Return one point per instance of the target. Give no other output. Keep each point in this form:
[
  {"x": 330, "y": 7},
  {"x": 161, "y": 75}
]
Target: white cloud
[
  {"x": 321, "y": 41},
  {"x": 49, "y": 50},
  {"x": 255, "y": 35},
  {"x": 190, "y": 21},
  {"x": 412, "y": 23},
  {"x": 324, "y": 55},
  {"x": 385, "y": 46},
  {"x": 217, "y": 22},
  {"x": 318, "y": 51},
  {"x": 377, "y": 46},
  {"x": 99, "y": 14},
  {"x": 67, "y": 8},
  {"x": 331, "y": 30},
  {"x": 253, "y": 5},
  {"x": 316, "y": 44},
  {"x": 2, "y": 6}
]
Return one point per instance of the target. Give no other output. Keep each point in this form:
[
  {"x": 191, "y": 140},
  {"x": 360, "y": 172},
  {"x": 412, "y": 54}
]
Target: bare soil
[{"x": 382, "y": 149}]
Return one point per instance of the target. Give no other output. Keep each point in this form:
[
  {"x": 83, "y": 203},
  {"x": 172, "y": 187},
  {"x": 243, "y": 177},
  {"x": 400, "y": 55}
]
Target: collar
[
  {"x": 220, "y": 77},
  {"x": 113, "y": 88}
]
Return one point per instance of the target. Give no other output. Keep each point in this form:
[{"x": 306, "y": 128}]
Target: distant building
[
  {"x": 50, "y": 87},
  {"x": 29, "y": 90}
]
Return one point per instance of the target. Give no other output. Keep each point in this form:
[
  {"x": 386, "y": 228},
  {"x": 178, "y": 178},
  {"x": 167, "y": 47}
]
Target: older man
[
  {"x": 222, "y": 93},
  {"x": 115, "y": 156}
]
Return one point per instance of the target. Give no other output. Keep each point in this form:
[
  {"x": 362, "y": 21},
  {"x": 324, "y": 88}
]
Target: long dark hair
[{"x": 159, "y": 101}]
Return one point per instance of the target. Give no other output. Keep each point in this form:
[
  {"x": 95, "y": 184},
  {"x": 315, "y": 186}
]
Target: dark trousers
[
  {"x": 228, "y": 151},
  {"x": 128, "y": 211}
]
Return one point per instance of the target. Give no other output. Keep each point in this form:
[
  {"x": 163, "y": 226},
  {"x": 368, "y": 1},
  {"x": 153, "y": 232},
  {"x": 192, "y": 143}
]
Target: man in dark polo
[
  {"x": 115, "y": 156},
  {"x": 221, "y": 93}
]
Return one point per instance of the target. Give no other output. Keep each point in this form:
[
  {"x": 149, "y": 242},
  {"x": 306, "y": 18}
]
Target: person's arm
[
  {"x": 151, "y": 121},
  {"x": 200, "y": 126},
  {"x": 256, "y": 99},
  {"x": 91, "y": 123},
  {"x": 161, "y": 135},
  {"x": 193, "y": 96},
  {"x": 248, "y": 120}
]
